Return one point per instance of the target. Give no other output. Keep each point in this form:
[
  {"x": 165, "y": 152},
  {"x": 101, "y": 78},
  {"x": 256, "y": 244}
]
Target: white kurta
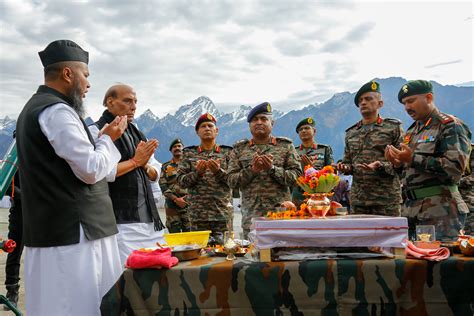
[
  {"x": 134, "y": 236},
  {"x": 71, "y": 280}
]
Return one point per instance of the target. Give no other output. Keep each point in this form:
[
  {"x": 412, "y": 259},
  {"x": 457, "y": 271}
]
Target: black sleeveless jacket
[
  {"x": 55, "y": 202},
  {"x": 124, "y": 190}
]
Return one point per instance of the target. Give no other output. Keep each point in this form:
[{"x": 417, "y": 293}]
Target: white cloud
[{"x": 290, "y": 53}]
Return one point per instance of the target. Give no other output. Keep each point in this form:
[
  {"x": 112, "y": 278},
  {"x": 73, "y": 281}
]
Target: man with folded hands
[
  {"x": 376, "y": 185},
  {"x": 432, "y": 158},
  {"x": 203, "y": 172},
  {"x": 138, "y": 221},
  {"x": 264, "y": 167},
  {"x": 71, "y": 254}
]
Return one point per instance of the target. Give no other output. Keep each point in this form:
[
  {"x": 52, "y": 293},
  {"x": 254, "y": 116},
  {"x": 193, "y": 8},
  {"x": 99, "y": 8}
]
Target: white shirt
[{"x": 65, "y": 132}]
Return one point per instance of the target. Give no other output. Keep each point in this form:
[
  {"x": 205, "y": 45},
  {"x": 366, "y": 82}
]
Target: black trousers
[{"x": 15, "y": 232}]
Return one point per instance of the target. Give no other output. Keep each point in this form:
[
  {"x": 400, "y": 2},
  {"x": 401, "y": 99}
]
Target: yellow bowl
[{"x": 200, "y": 238}]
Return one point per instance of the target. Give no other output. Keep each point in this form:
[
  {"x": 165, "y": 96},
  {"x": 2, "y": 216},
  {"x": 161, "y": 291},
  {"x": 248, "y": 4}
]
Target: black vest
[
  {"x": 124, "y": 190},
  {"x": 55, "y": 202}
]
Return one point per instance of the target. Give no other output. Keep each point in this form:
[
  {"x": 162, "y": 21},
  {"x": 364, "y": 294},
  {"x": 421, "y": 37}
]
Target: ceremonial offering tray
[
  {"x": 243, "y": 247},
  {"x": 336, "y": 231},
  {"x": 220, "y": 252},
  {"x": 187, "y": 252}
]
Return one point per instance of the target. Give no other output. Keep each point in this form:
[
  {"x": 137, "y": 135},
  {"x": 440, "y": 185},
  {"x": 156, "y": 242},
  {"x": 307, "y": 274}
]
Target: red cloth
[
  {"x": 159, "y": 258},
  {"x": 439, "y": 254}
]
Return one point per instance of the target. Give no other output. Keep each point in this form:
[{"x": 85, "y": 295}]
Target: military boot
[{"x": 12, "y": 294}]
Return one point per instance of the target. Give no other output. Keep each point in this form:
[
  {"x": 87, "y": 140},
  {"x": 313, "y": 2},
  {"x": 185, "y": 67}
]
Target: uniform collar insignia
[
  {"x": 273, "y": 140},
  {"x": 313, "y": 146},
  {"x": 216, "y": 149}
]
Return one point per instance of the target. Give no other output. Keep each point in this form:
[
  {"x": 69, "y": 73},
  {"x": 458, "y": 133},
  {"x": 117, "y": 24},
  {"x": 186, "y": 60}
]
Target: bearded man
[{"x": 71, "y": 252}]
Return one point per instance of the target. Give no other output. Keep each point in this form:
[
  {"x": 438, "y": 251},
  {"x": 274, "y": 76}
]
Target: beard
[{"x": 76, "y": 98}]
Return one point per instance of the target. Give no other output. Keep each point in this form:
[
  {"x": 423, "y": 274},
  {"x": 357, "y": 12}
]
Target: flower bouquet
[{"x": 318, "y": 184}]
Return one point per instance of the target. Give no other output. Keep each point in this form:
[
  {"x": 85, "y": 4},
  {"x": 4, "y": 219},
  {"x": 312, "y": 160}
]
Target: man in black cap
[
  {"x": 433, "y": 157},
  {"x": 310, "y": 152},
  {"x": 376, "y": 185},
  {"x": 71, "y": 253},
  {"x": 177, "y": 217},
  {"x": 264, "y": 168},
  {"x": 138, "y": 221}
]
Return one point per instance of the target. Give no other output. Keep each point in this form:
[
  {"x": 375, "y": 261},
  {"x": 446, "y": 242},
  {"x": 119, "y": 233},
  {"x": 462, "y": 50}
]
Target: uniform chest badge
[
  {"x": 406, "y": 139},
  {"x": 426, "y": 139}
]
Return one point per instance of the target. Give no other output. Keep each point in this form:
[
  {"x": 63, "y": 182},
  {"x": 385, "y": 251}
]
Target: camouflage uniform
[
  {"x": 441, "y": 146},
  {"x": 177, "y": 218},
  {"x": 210, "y": 198},
  {"x": 263, "y": 191},
  {"x": 466, "y": 188},
  {"x": 373, "y": 192},
  {"x": 322, "y": 155}
]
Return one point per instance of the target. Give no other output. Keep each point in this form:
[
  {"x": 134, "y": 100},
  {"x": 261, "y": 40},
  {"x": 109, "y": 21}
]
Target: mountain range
[{"x": 332, "y": 118}]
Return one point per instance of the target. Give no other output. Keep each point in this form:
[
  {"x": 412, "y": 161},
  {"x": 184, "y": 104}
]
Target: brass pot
[{"x": 318, "y": 204}]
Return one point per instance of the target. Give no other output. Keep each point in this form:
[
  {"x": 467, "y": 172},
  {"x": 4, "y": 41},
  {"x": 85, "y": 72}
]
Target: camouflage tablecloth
[{"x": 212, "y": 286}]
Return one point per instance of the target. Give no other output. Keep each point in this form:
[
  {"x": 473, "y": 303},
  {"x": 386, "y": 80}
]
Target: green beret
[
  {"x": 263, "y": 108},
  {"x": 174, "y": 142},
  {"x": 306, "y": 121},
  {"x": 371, "y": 86},
  {"x": 414, "y": 87}
]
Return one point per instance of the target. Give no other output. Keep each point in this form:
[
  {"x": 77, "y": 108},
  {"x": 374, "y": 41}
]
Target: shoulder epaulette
[
  {"x": 392, "y": 120},
  {"x": 226, "y": 146},
  {"x": 241, "y": 142},
  {"x": 188, "y": 148},
  {"x": 322, "y": 145},
  {"x": 284, "y": 139},
  {"x": 446, "y": 118},
  {"x": 351, "y": 127}
]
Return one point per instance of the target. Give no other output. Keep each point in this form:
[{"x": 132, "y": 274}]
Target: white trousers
[
  {"x": 134, "y": 236},
  {"x": 70, "y": 280}
]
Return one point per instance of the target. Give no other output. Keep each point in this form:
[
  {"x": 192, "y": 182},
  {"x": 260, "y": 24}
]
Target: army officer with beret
[
  {"x": 310, "y": 152},
  {"x": 264, "y": 167},
  {"x": 433, "y": 156},
  {"x": 376, "y": 185},
  {"x": 177, "y": 217}
]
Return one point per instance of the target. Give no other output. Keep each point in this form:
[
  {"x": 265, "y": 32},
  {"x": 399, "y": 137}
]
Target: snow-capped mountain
[
  {"x": 7, "y": 125},
  {"x": 332, "y": 117},
  {"x": 188, "y": 114}
]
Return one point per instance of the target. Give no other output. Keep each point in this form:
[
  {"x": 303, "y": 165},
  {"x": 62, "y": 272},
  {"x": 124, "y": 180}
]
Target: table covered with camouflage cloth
[{"x": 213, "y": 286}]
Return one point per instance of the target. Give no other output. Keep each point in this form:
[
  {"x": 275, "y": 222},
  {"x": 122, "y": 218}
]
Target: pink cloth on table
[
  {"x": 439, "y": 254},
  {"x": 159, "y": 258}
]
